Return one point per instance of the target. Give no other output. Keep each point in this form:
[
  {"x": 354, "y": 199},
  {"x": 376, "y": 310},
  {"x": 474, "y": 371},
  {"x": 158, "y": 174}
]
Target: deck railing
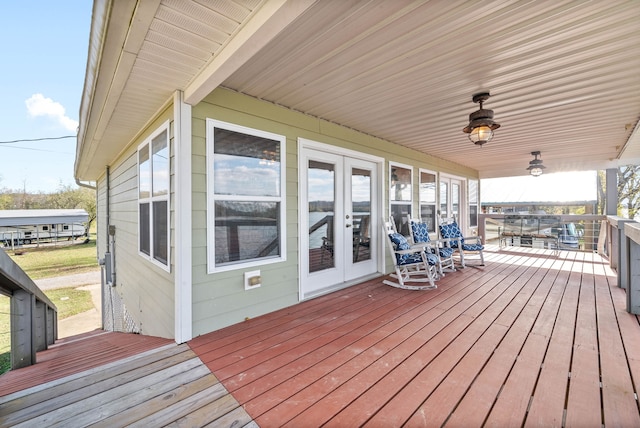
[
  {"x": 34, "y": 318},
  {"x": 558, "y": 232},
  {"x": 625, "y": 258},
  {"x": 615, "y": 238}
]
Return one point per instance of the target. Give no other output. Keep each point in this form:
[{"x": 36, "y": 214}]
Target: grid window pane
[
  {"x": 160, "y": 232},
  {"x": 145, "y": 236},
  {"x": 245, "y": 164},
  {"x": 160, "y": 161},
  {"x": 246, "y": 230}
]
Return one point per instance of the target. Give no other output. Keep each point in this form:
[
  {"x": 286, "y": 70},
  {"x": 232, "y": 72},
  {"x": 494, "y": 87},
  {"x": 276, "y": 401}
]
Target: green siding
[
  {"x": 146, "y": 290},
  {"x": 220, "y": 299}
]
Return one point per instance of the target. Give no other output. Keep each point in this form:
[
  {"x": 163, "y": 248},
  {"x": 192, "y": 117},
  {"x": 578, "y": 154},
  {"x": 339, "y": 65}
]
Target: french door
[
  {"x": 339, "y": 212},
  {"x": 451, "y": 199}
]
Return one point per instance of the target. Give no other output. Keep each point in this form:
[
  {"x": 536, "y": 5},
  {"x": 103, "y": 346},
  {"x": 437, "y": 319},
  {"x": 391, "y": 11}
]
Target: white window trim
[
  {"x": 151, "y": 199},
  {"x": 433, "y": 233},
  {"x": 463, "y": 210},
  {"x": 211, "y": 124},
  {"x": 413, "y": 188},
  {"x": 477, "y": 203}
]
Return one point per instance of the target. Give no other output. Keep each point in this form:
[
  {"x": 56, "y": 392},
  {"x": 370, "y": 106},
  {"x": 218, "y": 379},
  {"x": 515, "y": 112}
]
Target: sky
[{"x": 44, "y": 53}]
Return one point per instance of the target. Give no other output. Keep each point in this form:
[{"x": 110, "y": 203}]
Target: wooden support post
[
  {"x": 22, "y": 350},
  {"x": 633, "y": 289},
  {"x": 623, "y": 254},
  {"x": 632, "y": 232}
]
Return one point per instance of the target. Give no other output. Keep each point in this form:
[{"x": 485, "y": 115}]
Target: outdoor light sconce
[
  {"x": 481, "y": 124},
  {"x": 535, "y": 166}
]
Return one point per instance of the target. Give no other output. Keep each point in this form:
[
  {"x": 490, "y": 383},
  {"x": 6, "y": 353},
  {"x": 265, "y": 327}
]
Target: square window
[{"x": 245, "y": 204}]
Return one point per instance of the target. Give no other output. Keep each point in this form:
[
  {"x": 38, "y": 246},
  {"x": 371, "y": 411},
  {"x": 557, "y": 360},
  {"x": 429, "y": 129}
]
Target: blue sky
[{"x": 44, "y": 51}]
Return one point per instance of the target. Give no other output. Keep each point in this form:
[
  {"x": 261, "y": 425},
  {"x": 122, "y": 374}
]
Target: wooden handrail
[{"x": 34, "y": 318}]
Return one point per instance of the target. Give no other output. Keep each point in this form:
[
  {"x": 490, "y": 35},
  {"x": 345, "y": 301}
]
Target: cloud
[{"x": 38, "y": 105}]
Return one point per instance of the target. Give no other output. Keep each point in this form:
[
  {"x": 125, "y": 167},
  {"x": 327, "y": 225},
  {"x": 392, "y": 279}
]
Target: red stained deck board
[
  {"x": 251, "y": 354},
  {"x": 512, "y": 403},
  {"x": 479, "y": 399},
  {"x": 75, "y": 356},
  {"x": 408, "y": 401},
  {"x": 619, "y": 403},
  {"x": 583, "y": 404},
  {"x": 257, "y": 325},
  {"x": 382, "y": 313},
  {"x": 438, "y": 407},
  {"x": 356, "y": 379},
  {"x": 350, "y": 373},
  {"x": 547, "y": 406},
  {"x": 434, "y": 297}
]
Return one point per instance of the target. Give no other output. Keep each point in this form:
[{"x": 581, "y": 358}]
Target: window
[
  {"x": 153, "y": 197},
  {"x": 401, "y": 196},
  {"x": 245, "y": 196},
  {"x": 428, "y": 199},
  {"x": 473, "y": 203},
  {"x": 45, "y": 228}
]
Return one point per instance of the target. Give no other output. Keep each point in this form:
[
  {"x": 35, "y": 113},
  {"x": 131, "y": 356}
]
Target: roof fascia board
[
  {"x": 126, "y": 27},
  {"x": 272, "y": 17}
]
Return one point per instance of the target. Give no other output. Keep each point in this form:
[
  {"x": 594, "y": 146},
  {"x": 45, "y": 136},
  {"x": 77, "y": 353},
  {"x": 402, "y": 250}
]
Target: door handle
[{"x": 348, "y": 225}]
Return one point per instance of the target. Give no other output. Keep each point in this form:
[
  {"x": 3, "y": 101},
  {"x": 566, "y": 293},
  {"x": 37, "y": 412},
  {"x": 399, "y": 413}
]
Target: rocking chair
[
  {"x": 420, "y": 235},
  {"x": 412, "y": 265},
  {"x": 450, "y": 231}
]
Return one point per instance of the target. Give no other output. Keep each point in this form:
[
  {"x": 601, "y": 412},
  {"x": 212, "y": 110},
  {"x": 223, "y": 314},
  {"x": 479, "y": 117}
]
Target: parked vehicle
[
  {"x": 19, "y": 235},
  {"x": 568, "y": 235}
]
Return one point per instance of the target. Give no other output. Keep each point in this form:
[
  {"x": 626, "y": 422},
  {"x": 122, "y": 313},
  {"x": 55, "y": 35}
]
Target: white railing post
[{"x": 619, "y": 258}]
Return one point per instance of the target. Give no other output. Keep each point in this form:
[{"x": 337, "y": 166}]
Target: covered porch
[{"x": 530, "y": 339}]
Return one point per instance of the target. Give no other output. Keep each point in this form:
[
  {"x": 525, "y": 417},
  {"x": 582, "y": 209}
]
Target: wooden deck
[
  {"x": 530, "y": 339},
  {"x": 117, "y": 379}
]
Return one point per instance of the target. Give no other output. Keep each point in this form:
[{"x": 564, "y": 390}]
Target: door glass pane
[
  {"x": 455, "y": 200},
  {"x": 361, "y": 210},
  {"x": 321, "y": 192},
  {"x": 444, "y": 194}
]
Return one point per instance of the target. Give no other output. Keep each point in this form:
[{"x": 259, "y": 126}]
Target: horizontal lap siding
[
  {"x": 220, "y": 299},
  {"x": 146, "y": 290}
]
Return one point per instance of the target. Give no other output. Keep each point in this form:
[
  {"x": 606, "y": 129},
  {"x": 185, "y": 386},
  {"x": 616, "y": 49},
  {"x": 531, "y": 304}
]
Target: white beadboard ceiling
[{"x": 564, "y": 75}]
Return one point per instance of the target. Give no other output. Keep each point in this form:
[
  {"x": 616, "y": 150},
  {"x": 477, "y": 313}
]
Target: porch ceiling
[{"x": 563, "y": 75}]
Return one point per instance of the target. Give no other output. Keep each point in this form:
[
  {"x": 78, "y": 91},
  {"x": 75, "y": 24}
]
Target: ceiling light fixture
[
  {"x": 481, "y": 124},
  {"x": 535, "y": 166}
]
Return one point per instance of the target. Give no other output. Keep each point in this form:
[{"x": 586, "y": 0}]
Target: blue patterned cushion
[
  {"x": 399, "y": 241},
  {"x": 408, "y": 259},
  {"x": 472, "y": 247},
  {"x": 420, "y": 232},
  {"x": 449, "y": 231},
  {"x": 445, "y": 252},
  {"x": 432, "y": 259}
]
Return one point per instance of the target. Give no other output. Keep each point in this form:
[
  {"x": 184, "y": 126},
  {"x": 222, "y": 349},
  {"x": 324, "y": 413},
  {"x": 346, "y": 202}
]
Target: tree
[
  {"x": 629, "y": 190},
  {"x": 69, "y": 197}
]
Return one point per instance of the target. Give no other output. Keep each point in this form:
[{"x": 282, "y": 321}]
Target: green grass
[
  {"x": 48, "y": 261},
  {"x": 5, "y": 337}
]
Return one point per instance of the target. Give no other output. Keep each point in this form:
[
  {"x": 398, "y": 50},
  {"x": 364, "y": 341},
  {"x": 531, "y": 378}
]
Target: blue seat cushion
[
  {"x": 472, "y": 247},
  {"x": 401, "y": 243},
  {"x": 445, "y": 252},
  {"x": 420, "y": 232}
]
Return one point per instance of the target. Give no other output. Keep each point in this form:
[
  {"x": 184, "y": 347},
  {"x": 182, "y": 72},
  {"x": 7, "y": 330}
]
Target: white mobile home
[
  {"x": 238, "y": 146},
  {"x": 19, "y": 227}
]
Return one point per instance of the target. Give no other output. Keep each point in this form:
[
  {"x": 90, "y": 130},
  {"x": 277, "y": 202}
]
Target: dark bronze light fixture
[
  {"x": 481, "y": 124},
  {"x": 535, "y": 166}
]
